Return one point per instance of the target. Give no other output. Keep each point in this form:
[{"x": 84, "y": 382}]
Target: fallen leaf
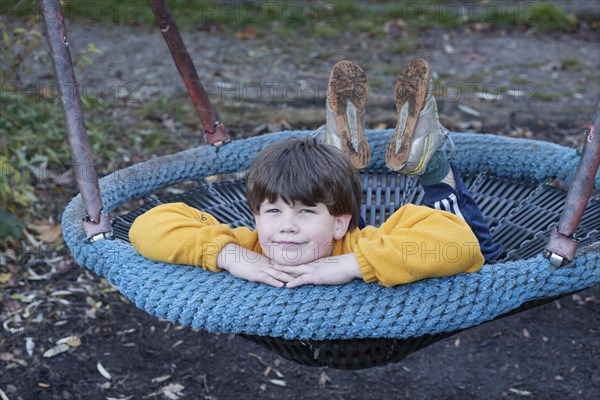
[
  {"x": 481, "y": 26},
  {"x": 516, "y": 93},
  {"x": 169, "y": 123},
  {"x": 160, "y": 379},
  {"x": 22, "y": 363},
  {"x": 72, "y": 341},
  {"x": 323, "y": 379},
  {"x": 526, "y": 333},
  {"x": 489, "y": 96},
  {"x": 274, "y": 127},
  {"x": 591, "y": 299},
  {"x": 5, "y": 277},
  {"x": 395, "y": 28},
  {"x": 457, "y": 342},
  {"x": 64, "y": 179},
  {"x": 519, "y": 392},
  {"x": 172, "y": 391},
  {"x": 61, "y": 293},
  {"x": 30, "y": 237},
  {"x": 47, "y": 232},
  {"x": 103, "y": 371},
  {"x": 278, "y": 382},
  {"x": 278, "y": 125},
  {"x": 29, "y": 346},
  {"x": 248, "y": 33},
  {"x": 56, "y": 350},
  {"x": 34, "y": 276},
  {"x": 468, "y": 110}
]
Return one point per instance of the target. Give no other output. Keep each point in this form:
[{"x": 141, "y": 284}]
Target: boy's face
[{"x": 298, "y": 234}]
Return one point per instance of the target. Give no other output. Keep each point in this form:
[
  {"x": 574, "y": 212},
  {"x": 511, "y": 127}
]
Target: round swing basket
[{"x": 517, "y": 183}]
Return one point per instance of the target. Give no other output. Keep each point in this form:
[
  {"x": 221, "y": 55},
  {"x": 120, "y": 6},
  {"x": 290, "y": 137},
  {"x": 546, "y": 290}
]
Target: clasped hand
[{"x": 334, "y": 270}]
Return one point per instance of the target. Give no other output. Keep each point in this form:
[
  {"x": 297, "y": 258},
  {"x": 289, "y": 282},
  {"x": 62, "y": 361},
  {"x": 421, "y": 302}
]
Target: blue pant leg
[
  {"x": 361, "y": 222},
  {"x": 442, "y": 196}
]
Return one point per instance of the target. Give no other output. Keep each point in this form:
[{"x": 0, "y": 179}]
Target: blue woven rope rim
[{"x": 222, "y": 303}]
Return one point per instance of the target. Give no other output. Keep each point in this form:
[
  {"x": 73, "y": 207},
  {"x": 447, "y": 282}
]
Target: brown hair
[{"x": 305, "y": 170}]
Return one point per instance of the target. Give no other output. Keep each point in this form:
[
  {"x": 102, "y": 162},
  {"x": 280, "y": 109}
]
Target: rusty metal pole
[
  {"x": 96, "y": 222},
  {"x": 216, "y": 133},
  {"x": 562, "y": 246}
]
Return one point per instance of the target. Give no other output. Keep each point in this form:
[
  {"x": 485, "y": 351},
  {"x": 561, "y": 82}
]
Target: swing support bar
[
  {"x": 216, "y": 133},
  {"x": 562, "y": 245},
  {"x": 96, "y": 221}
]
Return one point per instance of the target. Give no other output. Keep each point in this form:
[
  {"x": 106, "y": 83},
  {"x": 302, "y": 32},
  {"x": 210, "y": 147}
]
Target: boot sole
[
  {"x": 411, "y": 91},
  {"x": 348, "y": 84}
]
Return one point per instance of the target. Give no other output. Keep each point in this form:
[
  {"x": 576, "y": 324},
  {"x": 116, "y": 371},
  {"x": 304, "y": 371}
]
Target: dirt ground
[{"x": 112, "y": 350}]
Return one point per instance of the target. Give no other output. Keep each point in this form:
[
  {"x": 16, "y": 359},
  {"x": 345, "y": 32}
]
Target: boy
[{"x": 305, "y": 197}]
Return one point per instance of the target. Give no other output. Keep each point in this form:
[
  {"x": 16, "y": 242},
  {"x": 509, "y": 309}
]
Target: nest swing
[{"x": 357, "y": 325}]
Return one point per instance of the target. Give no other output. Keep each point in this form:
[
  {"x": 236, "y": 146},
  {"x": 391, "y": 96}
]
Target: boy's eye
[
  {"x": 271, "y": 210},
  {"x": 307, "y": 211}
]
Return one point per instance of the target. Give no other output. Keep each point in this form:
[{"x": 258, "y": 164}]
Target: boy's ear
[{"x": 341, "y": 226}]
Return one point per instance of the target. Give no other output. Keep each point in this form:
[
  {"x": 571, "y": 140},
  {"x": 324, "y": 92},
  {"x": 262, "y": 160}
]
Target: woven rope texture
[{"x": 222, "y": 303}]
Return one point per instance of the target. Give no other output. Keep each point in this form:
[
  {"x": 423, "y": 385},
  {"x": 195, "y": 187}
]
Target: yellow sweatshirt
[{"x": 415, "y": 242}]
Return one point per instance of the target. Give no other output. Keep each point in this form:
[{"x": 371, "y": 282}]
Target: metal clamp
[
  {"x": 219, "y": 130},
  {"x": 556, "y": 260},
  {"x": 100, "y": 236}
]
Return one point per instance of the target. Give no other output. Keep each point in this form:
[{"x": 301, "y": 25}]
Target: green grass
[
  {"x": 544, "y": 96},
  {"x": 544, "y": 17},
  {"x": 404, "y": 45},
  {"x": 338, "y": 15},
  {"x": 570, "y": 64},
  {"x": 549, "y": 17},
  {"x": 518, "y": 81}
]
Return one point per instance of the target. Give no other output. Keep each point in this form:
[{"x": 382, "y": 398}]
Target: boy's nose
[{"x": 288, "y": 225}]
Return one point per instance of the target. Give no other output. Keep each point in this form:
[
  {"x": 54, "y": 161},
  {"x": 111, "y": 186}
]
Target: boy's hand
[
  {"x": 335, "y": 270},
  {"x": 251, "y": 266}
]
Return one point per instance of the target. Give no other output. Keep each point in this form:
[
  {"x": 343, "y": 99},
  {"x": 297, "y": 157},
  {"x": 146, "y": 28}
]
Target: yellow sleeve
[
  {"x": 179, "y": 234},
  {"x": 415, "y": 243}
]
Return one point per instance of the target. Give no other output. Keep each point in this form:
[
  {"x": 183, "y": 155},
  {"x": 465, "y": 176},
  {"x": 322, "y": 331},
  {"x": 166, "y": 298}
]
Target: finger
[
  {"x": 300, "y": 281},
  {"x": 269, "y": 280},
  {"x": 295, "y": 270},
  {"x": 279, "y": 275}
]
